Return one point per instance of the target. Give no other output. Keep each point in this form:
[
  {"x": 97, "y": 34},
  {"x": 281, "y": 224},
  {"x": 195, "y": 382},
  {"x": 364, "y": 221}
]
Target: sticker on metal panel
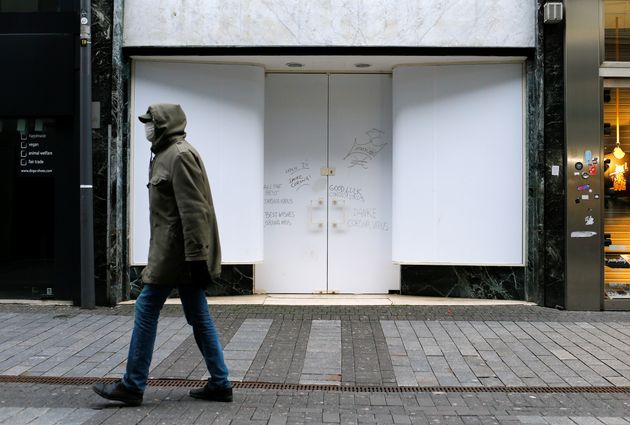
[{"x": 583, "y": 234}]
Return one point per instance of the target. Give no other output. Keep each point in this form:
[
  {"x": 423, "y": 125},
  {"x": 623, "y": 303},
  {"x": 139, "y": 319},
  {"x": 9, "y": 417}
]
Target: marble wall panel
[
  {"x": 236, "y": 279},
  {"x": 101, "y": 93},
  {"x": 117, "y": 249},
  {"x": 555, "y": 263},
  {"x": 503, "y": 283},
  {"x": 534, "y": 273},
  {"x": 552, "y": 49},
  {"x": 471, "y": 23}
]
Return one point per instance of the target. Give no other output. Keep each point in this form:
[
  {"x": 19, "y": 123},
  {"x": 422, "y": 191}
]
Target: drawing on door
[{"x": 327, "y": 187}]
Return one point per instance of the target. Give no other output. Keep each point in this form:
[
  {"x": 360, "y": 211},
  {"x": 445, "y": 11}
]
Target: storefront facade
[
  {"x": 361, "y": 125},
  {"x": 374, "y": 147}
]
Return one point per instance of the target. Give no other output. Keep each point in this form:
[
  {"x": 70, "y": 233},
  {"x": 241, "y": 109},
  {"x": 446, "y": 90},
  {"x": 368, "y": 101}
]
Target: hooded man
[{"x": 184, "y": 253}]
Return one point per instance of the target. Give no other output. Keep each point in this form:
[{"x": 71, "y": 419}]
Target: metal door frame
[{"x": 584, "y": 255}]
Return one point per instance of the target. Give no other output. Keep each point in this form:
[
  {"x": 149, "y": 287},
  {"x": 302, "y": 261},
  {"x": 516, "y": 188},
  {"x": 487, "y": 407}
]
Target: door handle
[
  {"x": 312, "y": 222},
  {"x": 341, "y": 204}
]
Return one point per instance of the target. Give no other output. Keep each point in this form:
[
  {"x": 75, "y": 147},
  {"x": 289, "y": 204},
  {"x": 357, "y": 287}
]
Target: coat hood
[{"x": 170, "y": 123}]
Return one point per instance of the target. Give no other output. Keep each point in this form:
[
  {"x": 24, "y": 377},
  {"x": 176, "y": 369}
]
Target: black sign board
[{"x": 35, "y": 154}]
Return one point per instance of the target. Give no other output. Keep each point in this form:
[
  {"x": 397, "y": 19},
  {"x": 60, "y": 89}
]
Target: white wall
[
  {"x": 458, "y": 164},
  {"x": 224, "y": 105},
  {"x": 437, "y": 23}
]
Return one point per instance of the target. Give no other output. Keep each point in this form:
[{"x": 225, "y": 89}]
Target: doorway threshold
[
  {"x": 345, "y": 299},
  {"x": 34, "y": 302}
]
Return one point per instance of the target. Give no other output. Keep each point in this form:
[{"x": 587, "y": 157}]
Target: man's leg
[
  {"x": 195, "y": 308},
  {"x": 147, "y": 313}
]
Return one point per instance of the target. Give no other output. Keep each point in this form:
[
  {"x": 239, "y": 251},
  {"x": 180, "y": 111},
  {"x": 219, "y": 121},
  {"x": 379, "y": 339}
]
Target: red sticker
[{"x": 592, "y": 170}]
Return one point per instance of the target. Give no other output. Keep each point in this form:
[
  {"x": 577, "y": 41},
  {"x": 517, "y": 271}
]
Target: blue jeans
[{"x": 147, "y": 313}]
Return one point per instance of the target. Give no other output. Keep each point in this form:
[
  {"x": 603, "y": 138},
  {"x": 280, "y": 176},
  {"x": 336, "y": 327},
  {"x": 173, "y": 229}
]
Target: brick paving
[
  {"x": 376, "y": 346},
  {"x": 509, "y": 353},
  {"x": 173, "y": 406},
  {"x": 81, "y": 345}
]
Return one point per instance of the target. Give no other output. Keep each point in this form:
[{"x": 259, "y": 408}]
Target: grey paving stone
[
  {"x": 322, "y": 362},
  {"x": 532, "y": 420},
  {"x": 585, "y": 420},
  {"x": 244, "y": 345},
  {"x": 614, "y": 420}
]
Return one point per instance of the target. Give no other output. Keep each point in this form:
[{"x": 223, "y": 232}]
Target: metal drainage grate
[{"x": 193, "y": 383}]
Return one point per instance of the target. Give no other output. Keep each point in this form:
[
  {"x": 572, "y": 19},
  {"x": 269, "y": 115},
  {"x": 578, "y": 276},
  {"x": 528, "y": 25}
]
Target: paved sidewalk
[{"x": 418, "y": 346}]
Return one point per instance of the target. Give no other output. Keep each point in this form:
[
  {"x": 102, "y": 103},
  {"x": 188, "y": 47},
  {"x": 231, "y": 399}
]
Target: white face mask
[{"x": 149, "y": 131}]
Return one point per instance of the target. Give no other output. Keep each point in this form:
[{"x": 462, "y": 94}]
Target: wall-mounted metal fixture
[
  {"x": 294, "y": 64},
  {"x": 85, "y": 165},
  {"x": 553, "y": 12}
]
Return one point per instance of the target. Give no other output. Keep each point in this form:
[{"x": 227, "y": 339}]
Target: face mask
[{"x": 149, "y": 131}]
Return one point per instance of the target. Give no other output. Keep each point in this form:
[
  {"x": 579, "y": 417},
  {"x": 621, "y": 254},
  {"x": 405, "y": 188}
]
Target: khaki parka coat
[{"x": 182, "y": 217}]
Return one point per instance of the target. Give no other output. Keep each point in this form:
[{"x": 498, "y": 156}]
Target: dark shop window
[{"x": 31, "y": 6}]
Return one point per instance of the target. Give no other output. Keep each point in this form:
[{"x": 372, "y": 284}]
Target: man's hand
[{"x": 199, "y": 273}]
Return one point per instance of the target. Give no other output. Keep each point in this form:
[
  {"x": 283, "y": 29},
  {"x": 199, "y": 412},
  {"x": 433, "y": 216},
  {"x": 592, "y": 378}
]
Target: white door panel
[
  {"x": 295, "y": 192},
  {"x": 360, "y": 150},
  {"x": 327, "y": 233}
]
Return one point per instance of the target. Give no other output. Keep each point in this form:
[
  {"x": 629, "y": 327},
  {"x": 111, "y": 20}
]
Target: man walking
[{"x": 184, "y": 253}]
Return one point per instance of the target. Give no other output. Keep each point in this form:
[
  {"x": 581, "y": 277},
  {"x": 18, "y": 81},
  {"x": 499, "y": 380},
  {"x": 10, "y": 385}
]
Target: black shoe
[
  {"x": 213, "y": 393},
  {"x": 118, "y": 392}
]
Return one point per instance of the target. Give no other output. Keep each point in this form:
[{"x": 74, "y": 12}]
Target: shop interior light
[{"x": 617, "y": 152}]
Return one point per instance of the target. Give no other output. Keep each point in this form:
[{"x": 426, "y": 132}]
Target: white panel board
[
  {"x": 360, "y": 202},
  {"x": 295, "y": 191},
  {"x": 224, "y": 105},
  {"x": 458, "y": 164}
]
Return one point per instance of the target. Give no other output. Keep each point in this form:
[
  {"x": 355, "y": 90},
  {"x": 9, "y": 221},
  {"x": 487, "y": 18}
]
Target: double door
[{"x": 327, "y": 194}]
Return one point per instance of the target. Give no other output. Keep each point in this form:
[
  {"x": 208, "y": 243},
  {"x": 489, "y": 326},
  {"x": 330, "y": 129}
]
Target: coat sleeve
[{"x": 195, "y": 211}]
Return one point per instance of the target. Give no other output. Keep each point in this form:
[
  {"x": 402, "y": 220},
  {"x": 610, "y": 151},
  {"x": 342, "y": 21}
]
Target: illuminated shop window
[
  {"x": 616, "y": 192},
  {"x": 617, "y": 30}
]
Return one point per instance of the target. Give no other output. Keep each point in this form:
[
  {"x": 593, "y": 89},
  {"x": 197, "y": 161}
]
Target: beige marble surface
[{"x": 430, "y": 23}]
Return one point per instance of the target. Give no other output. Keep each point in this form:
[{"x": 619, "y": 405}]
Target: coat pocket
[{"x": 157, "y": 181}]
